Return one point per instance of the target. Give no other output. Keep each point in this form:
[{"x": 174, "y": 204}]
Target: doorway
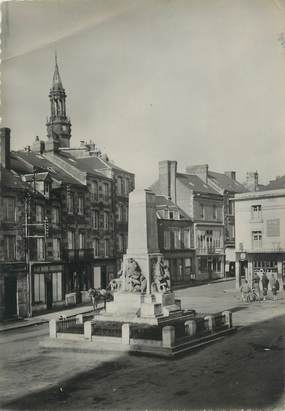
[
  {"x": 103, "y": 277},
  {"x": 49, "y": 292},
  {"x": 10, "y": 296}
]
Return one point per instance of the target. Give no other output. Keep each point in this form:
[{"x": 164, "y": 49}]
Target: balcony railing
[{"x": 75, "y": 255}]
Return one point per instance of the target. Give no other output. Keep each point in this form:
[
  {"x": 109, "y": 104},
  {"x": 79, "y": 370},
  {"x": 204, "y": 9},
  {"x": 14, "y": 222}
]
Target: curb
[{"x": 30, "y": 323}]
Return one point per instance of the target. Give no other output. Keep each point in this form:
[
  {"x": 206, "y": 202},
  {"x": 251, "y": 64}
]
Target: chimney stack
[
  {"x": 167, "y": 178},
  {"x": 200, "y": 170},
  {"x": 252, "y": 180},
  {"x": 231, "y": 174},
  {"x": 5, "y": 147}
]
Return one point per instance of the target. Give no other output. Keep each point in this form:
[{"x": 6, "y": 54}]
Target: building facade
[
  {"x": 260, "y": 233},
  {"x": 176, "y": 241},
  {"x": 204, "y": 206},
  {"x": 75, "y": 234},
  {"x": 226, "y": 185}
]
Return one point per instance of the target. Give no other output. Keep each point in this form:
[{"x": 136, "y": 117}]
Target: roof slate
[
  {"x": 226, "y": 183},
  {"x": 42, "y": 164},
  {"x": 276, "y": 184},
  {"x": 195, "y": 183}
]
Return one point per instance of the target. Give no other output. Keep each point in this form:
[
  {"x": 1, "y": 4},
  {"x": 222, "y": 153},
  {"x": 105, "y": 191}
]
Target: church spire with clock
[{"x": 58, "y": 124}]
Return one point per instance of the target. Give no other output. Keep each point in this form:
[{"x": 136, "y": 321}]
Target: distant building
[
  {"x": 260, "y": 233},
  {"x": 176, "y": 241},
  {"x": 204, "y": 206},
  {"x": 227, "y": 185}
]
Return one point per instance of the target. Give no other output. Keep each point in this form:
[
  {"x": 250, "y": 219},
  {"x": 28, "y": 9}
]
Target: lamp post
[{"x": 27, "y": 252}]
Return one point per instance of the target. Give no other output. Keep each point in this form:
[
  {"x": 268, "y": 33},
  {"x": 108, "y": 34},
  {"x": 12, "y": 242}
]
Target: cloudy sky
[{"x": 200, "y": 81}]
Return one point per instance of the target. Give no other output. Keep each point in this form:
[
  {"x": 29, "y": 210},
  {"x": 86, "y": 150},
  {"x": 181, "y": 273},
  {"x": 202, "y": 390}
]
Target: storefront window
[
  {"x": 56, "y": 287},
  {"x": 39, "y": 288}
]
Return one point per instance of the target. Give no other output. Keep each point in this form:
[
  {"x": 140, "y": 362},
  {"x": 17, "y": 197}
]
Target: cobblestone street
[{"x": 233, "y": 372}]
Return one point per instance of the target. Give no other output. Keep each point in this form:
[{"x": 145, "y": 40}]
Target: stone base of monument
[
  {"x": 142, "y": 308},
  {"x": 169, "y": 338}
]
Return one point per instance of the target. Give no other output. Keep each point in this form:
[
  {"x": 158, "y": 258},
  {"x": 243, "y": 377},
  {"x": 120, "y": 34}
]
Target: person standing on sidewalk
[
  {"x": 265, "y": 282},
  {"x": 274, "y": 284},
  {"x": 245, "y": 290},
  {"x": 255, "y": 285}
]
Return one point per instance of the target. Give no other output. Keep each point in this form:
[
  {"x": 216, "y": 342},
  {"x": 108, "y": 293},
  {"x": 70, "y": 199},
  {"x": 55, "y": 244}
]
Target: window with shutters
[
  {"x": 9, "y": 209},
  {"x": 107, "y": 248},
  {"x": 56, "y": 248},
  {"x": 186, "y": 238},
  {"x": 39, "y": 213},
  {"x": 56, "y": 286},
  {"x": 80, "y": 205},
  {"x": 96, "y": 247},
  {"x": 40, "y": 246},
  {"x": 70, "y": 240},
  {"x": 106, "y": 220},
  {"x": 9, "y": 248},
  {"x": 94, "y": 190},
  {"x": 81, "y": 241},
  {"x": 256, "y": 212},
  {"x": 166, "y": 240},
  {"x": 256, "y": 240},
  {"x": 95, "y": 219},
  {"x": 39, "y": 288},
  {"x": 70, "y": 203},
  {"x": 55, "y": 215}
]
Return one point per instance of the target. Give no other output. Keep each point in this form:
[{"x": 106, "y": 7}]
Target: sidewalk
[{"x": 44, "y": 318}]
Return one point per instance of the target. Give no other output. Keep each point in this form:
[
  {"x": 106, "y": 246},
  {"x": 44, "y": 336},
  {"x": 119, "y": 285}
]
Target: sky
[{"x": 197, "y": 81}]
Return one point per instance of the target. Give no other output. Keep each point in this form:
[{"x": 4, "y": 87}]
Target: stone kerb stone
[
  {"x": 126, "y": 334},
  {"x": 228, "y": 318},
  {"x": 168, "y": 336},
  {"x": 79, "y": 319},
  {"x": 88, "y": 330},
  {"x": 53, "y": 328},
  {"x": 211, "y": 322},
  {"x": 190, "y": 328}
]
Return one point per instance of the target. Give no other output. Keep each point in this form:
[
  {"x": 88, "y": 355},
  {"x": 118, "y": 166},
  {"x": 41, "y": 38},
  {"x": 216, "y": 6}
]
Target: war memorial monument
[{"x": 144, "y": 315}]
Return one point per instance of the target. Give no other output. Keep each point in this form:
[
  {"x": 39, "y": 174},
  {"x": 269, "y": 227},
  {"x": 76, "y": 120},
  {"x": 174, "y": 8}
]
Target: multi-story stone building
[
  {"x": 176, "y": 241},
  {"x": 227, "y": 185},
  {"x": 260, "y": 233},
  {"x": 83, "y": 196},
  {"x": 202, "y": 204}
]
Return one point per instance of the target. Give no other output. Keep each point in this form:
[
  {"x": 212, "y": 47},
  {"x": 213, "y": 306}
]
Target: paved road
[{"x": 245, "y": 370}]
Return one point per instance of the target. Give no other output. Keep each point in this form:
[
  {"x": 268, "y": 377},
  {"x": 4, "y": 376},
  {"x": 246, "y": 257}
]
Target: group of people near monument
[{"x": 259, "y": 287}]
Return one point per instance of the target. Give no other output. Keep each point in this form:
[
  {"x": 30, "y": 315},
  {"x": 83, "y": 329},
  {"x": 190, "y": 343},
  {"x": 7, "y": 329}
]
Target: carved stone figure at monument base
[
  {"x": 135, "y": 280},
  {"x": 130, "y": 278},
  {"x": 161, "y": 277}
]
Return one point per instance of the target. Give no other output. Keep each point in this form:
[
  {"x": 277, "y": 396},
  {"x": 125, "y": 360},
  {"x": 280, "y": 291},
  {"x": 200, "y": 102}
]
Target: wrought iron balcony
[{"x": 76, "y": 255}]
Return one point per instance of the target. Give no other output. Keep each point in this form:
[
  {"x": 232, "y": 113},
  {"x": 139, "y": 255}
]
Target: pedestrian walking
[
  {"x": 245, "y": 290},
  {"x": 265, "y": 282},
  {"x": 255, "y": 285},
  {"x": 274, "y": 284}
]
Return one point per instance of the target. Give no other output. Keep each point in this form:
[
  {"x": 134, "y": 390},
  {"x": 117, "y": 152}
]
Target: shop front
[
  {"x": 47, "y": 286},
  {"x": 13, "y": 291},
  {"x": 255, "y": 262}
]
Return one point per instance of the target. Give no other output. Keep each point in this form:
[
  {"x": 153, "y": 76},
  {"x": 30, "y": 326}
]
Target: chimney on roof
[
  {"x": 252, "y": 180},
  {"x": 38, "y": 145},
  {"x": 200, "y": 170},
  {"x": 5, "y": 147},
  {"x": 167, "y": 178},
  {"x": 231, "y": 174}
]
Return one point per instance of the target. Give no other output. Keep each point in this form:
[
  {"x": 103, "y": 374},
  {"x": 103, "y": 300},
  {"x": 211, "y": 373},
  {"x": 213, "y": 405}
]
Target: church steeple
[{"x": 58, "y": 124}]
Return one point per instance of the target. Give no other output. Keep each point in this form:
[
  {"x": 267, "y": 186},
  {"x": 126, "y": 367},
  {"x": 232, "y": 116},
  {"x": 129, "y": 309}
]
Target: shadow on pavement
[{"x": 245, "y": 370}]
